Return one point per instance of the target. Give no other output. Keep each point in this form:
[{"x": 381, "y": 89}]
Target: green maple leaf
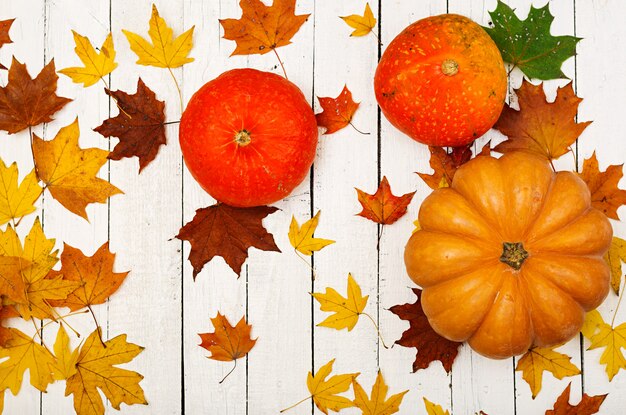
[{"x": 528, "y": 43}]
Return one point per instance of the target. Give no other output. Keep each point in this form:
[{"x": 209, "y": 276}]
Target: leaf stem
[
  {"x": 307, "y": 263},
  {"x": 359, "y": 131},
  {"x": 32, "y": 151},
  {"x": 281, "y": 63},
  {"x": 376, "y": 36},
  {"x": 180, "y": 94},
  {"x": 380, "y": 336},
  {"x": 228, "y": 374},
  {"x": 296, "y": 404},
  {"x": 93, "y": 315},
  {"x": 171, "y": 122},
  {"x": 117, "y": 104},
  {"x": 63, "y": 317},
  {"x": 621, "y": 295}
]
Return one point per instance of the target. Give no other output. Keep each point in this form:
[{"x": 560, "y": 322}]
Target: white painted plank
[{"x": 401, "y": 158}]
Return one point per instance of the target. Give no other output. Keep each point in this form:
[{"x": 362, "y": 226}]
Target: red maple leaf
[
  {"x": 383, "y": 207},
  {"x": 588, "y": 404},
  {"x": 337, "y": 112}
]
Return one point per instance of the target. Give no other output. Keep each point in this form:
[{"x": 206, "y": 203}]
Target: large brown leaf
[
  {"x": 139, "y": 125},
  {"x": 588, "y": 405},
  {"x": 445, "y": 164},
  {"x": 430, "y": 346},
  {"x": 5, "y": 25},
  {"x": 27, "y": 102},
  {"x": 222, "y": 230},
  {"x": 605, "y": 195}
]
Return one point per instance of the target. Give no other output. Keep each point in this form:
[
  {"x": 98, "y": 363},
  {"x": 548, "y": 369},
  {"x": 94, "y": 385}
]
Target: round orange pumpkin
[
  {"x": 442, "y": 81},
  {"x": 510, "y": 256}
]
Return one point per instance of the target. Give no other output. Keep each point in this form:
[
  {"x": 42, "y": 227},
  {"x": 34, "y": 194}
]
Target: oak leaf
[
  {"x": 444, "y": 165},
  {"x": 606, "y": 196},
  {"x": 17, "y": 200},
  {"x": 539, "y": 127},
  {"x": 65, "y": 359},
  {"x": 27, "y": 102},
  {"x": 96, "y": 369},
  {"x": 430, "y": 346},
  {"x": 347, "y": 310},
  {"x": 24, "y": 353},
  {"x": 614, "y": 257},
  {"x": 140, "y": 125},
  {"x": 261, "y": 29},
  {"x": 433, "y": 408},
  {"x": 377, "y": 403},
  {"x": 96, "y": 65},
  {"x": 95, "y": 274},
  {"x": 163, "y": 51},
  {"x": 362, "y": 25},
  {"x": 222, "y": 230},
  {"x": 383, "y": 206},
  {"x": 613, "y": 340},
  {"x": 69, "y": 172},
  {"x": 588, "y": 404},
  {"x": 301, "y": 237},
  {"x": 337, "y": 112},
  {"x": 528, "y": 44},
  {"x": 5, "y": 25},
  {"x": 538, "y": 360}
]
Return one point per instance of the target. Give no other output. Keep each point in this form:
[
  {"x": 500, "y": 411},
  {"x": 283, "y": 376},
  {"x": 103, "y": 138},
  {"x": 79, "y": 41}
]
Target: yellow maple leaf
[
  {"x": 301, "y": 237},
  {"x": 325, "y": 392},
  {"x": 69, "y": 171},
  {"x": 164, "y": 51},
  {"x": 24, "y": 353},
  {"x": 97, "y": 65},
  {"x": 362, "y": 25},
  {"x": 613, "y": 340},
  {"x": 17, "y": 201},
  {"x": 538, "y": 360},
  {"x": 377, "y": 404},
  {"x": 434, "y": 409},
  {"x": 346, "y": 309},
  {"x": 65, "y": 359},
  {"x": 593, "y": 320},
  {"x": 95, "y": 369},
  {"x": 615, "y": 257}
]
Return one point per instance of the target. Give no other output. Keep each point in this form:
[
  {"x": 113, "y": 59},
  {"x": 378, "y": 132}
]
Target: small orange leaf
[
  {"x": 383, "y": 207},
  {"x": 605, "y": 195},
  {"x": 588, "y": 404},
  {"x": 539, "y": 127},
  {"x": 228, "y": 342},
  {"x": 445, "y": 165},
  {"x": 262, "y": 28},
  {"x": 5, "y": 25},
  {"x": 338, "y": 112}
]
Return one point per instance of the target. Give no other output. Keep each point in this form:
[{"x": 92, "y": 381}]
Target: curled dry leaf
[
  {"x": 347, "y": 310},
  {"x": 606, "y": 196},
  {"x": 615, "y": 257},
  {"x": 222, "y": 230},
  {"x": 301, "y": 237},
  {"x": 528, "y": 44},
  {"x": 430, "y": 346},
  {"x": 261, "y": 29},
  {"x": 337, "y": 112},
  {"x": 96, "y": 369},
  {"x": 588, "y": 405},
  {"x": 163, "y": 50},
  {"x": 362, "y": 25},
  {"x": 383, "y": 206},
  {"x": 445, "y": 165},
  {"x": 69, "y": 172},
  {"x": 96, "y": 65},
  {"x": 539, "y": 127},
  {"x": 377, "y": 403},
  {"x": 95, "y": 275},
  {"x": 27, "y": 102},
  {"x": 140, "y": 125},
  {"x": 17, "y": 200},
  {"x": 538, "y": 360}
]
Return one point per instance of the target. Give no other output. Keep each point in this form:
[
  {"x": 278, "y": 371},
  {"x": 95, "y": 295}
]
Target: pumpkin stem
[
  {"x": 513, "y": 254},
  {"x": 449, "y": 67},
  {"x": 243, "y": 138}
]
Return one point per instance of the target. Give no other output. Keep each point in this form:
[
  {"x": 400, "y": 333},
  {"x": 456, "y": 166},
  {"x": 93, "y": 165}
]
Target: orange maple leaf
[
  {"x": 222, "y": 230},
  {"x": 383, "y": 206},
  {"x": 337, "y": 112},
  {"x": 228, "y": 342},
  {"x": 261, "y": 29},
  {"x": 588, "y": 404},
  {"x": 95, "y": 273},
  {"x": 445, "y": 164},
  {"x": 539, "y": 127},
  {"x": 27, "y": 102},
  {"x": 6, "y": 312},
  {"x": 5, "y": 25},
  {"x": 605, "y": 195}
]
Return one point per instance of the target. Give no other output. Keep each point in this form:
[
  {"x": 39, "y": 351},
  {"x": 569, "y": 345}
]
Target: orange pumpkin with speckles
[{"x": 442, "y": 81}]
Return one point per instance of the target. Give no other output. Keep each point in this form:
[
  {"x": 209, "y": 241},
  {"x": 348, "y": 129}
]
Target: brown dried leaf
[
  {"x": 588, "y": 404},
  {"x": 605, "y": 195},
  {"x": 445, "y": 165}
]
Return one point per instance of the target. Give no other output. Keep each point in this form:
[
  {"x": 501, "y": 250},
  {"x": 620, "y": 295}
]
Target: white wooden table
[{"x": 162, "y": 308}]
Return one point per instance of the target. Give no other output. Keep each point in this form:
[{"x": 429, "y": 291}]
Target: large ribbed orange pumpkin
[{"x": 510, "y": 256}]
